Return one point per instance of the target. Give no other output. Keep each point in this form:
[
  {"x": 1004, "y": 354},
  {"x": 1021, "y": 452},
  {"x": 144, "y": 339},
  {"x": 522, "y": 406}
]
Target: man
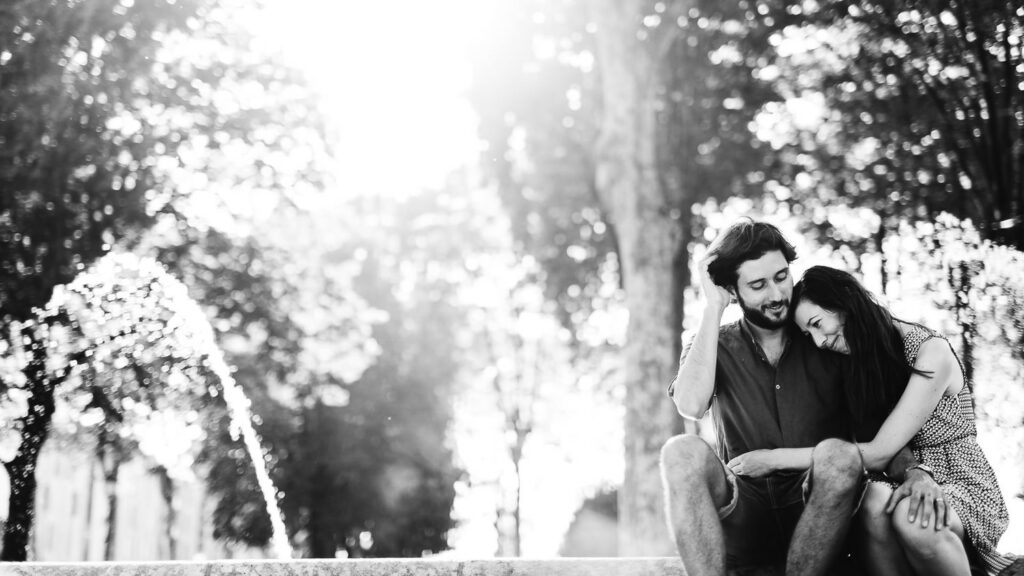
[{"x": 770, "y": 388}]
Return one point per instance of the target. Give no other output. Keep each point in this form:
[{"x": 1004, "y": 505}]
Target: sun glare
[{"x": 393, "y": 76}]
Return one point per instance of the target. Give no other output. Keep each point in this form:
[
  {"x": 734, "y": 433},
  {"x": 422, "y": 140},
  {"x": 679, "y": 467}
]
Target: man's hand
[
  {"x": 755, "y": 463},
  {"x": 926, "y": 499},
  {"x": 717, "y": 297}
]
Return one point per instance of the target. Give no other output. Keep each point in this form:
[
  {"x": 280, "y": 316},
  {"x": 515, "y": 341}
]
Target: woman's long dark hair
[{"x": 878, "y": 367}]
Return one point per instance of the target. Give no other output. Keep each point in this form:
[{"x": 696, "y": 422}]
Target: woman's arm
[
  {"x": 762, "y": 462},
  {"x": 918, "y": 401}
]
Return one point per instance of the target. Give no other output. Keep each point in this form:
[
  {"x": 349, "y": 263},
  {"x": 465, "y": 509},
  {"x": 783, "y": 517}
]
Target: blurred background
[{"x": 357, "y": 279}]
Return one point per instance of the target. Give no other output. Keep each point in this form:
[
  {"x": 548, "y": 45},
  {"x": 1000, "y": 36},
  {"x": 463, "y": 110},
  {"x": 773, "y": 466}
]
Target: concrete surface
[{"x": 381, "y": 567}]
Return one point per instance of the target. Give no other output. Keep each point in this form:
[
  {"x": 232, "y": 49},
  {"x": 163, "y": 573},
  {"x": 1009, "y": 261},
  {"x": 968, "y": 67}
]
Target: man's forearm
[
  {"x": 899, "y": 464},
  {"x": 695, "y": 381}
]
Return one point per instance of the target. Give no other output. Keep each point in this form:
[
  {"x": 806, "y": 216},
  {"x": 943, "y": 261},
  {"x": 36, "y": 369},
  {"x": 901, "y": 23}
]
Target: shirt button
[{"x": 777, "y": 387}]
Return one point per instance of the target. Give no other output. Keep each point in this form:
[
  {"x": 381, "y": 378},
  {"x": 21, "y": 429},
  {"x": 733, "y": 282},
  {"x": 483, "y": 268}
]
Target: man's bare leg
[
  {"x": 836, "y": 470},
  {"x": 695, "y": 489}
]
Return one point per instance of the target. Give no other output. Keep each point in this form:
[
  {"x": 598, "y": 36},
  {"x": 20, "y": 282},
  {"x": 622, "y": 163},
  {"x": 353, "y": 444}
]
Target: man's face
[{"x": 763, "y": 289}]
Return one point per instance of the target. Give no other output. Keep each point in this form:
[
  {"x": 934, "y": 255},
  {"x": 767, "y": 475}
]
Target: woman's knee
[
  {"x": 872, "y": 518},
  {"x": 917, "y": 540}
]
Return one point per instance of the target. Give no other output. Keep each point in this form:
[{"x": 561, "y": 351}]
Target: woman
[{"x": 906, "y": 386}]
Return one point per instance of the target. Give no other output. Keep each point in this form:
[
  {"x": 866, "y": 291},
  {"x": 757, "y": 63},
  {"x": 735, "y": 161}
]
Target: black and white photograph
[{"x": 512, "y": 287}]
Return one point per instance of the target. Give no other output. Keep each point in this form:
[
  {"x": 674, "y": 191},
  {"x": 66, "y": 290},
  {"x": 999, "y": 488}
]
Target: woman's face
[{"x": 823, "y": 326}]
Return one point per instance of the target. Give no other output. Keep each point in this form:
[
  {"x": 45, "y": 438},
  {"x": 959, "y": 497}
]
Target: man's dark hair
[{"x": 745, "y": 240}]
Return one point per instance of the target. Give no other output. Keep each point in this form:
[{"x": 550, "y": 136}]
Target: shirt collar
[{"x": 789, "y": 332}]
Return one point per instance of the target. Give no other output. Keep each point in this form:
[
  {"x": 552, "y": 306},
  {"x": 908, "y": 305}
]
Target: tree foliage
[
  {"x": 354, "y": 408},
  {"x": 116, "y": 116},
  {"x": 914, "y": 109},
  {"x": 537, "y": 87},
  {"x": 129, "y": 360},
  {"x": 74, "y": 174},
  {"x": 376, "y": 476}
]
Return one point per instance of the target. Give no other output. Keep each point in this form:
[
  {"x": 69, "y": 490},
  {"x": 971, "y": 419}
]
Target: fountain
[
  {"x": 126, "y": 305},
  {"x": 241, "y": 418},
  {"x": 239, "y": 410}
]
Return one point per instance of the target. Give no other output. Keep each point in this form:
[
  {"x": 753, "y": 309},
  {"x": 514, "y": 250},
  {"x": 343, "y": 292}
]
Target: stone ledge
[{"x": 377, "y": 567}]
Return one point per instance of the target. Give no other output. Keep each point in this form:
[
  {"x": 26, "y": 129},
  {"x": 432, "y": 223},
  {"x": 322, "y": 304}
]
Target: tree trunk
[
  {"x": 517, "y": 457},
  {"x": 649, "y": 232},
  {"x": 170, "y": 519},
  {"x": 883, "y": 263},
  {"x": 111, "y": 469},
  {"x": 87, "y": 533},
  {"x": 323, "y": 542},
  {"x": 962, "y": 278},
  {"x": 22, "y": 469},
  {"x": 517, "y": 537}
]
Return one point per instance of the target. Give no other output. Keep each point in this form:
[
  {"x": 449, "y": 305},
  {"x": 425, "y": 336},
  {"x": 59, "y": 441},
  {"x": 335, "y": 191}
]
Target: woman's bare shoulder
[{"x": 936, "y": 357}]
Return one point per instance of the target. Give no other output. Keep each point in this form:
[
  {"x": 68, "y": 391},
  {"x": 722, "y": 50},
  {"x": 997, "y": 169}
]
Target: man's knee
[
  {"x": 689, "y": 467},
  {"x": 686, "y": 457},
  {"x": 837, "y": 464},
  {"x": 837, "y": 457}
]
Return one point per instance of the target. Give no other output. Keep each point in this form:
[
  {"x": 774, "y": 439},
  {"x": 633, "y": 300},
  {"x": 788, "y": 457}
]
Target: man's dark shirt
[{"x": 795, "y": 404}]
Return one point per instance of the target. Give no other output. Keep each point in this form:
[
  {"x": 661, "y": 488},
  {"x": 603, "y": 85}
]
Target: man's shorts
[{"x": 762, "y": 513}]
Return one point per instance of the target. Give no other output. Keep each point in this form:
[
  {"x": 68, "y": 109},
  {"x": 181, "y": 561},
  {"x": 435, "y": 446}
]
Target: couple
[{"x": 827, "y": 410}]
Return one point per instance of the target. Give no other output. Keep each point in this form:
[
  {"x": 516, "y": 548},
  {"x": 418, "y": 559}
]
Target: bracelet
[{"x": 922, "y": 467}]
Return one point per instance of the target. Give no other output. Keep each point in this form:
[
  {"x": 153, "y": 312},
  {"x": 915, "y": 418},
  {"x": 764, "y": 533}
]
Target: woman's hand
[{"x": 755, "y": 463}]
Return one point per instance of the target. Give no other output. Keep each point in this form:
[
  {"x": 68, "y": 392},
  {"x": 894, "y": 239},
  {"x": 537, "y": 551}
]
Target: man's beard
[{"x": 759, "y": 318}]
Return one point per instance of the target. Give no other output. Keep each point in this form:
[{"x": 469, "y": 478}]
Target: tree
[
  {"x": 593, "y": 531},
  {"x": 519, "y": 349},
  {"x": 296, "y": 334},
  {"x": 102, "y": 112},
  {"x": 919, "y": 112},
  {"x": 375, "y": 477},
  {"x": 129, "y": 320},
  {"x": 354, "y": 407},
  {"x": 73, "y": 183},
  {"x": 70, "y": 186},
  {"x": 627, "y": 116}
]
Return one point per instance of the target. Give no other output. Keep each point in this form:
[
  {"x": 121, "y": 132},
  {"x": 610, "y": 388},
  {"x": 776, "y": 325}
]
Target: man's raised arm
[{"x": 695, "y": 382}]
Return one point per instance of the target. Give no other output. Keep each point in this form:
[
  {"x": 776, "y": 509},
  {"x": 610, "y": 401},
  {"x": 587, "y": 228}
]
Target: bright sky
[{"x": 395, "y": 74}]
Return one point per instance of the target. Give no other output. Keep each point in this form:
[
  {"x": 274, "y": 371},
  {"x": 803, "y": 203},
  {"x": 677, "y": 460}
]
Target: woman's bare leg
[
  {"x": 878, "y": 545},
  {"x": 930, "y": 551}
]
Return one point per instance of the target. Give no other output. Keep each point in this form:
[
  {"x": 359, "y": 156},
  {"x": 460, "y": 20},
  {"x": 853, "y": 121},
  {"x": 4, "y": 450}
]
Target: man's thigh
[{"x": 758, "y": 529}]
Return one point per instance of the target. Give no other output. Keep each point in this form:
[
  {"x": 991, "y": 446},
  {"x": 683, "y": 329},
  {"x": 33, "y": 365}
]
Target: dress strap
[{"x": 914, "y": 339}]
